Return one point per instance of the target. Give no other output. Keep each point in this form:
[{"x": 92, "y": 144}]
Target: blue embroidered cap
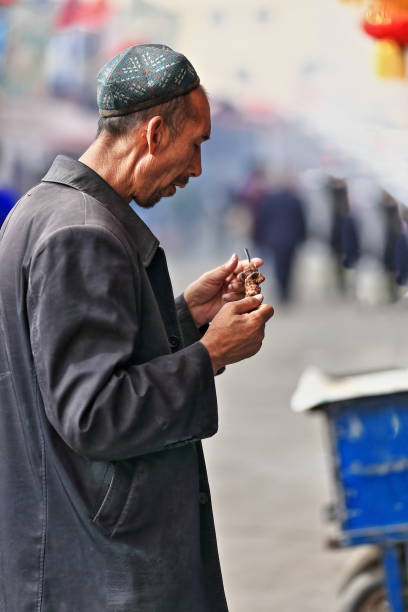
[{"x": 141, "y": 77}]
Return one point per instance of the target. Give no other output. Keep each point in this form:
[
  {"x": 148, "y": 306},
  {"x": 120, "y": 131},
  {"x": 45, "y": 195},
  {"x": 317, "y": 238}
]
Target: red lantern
[{"x": 387, "y": 22}]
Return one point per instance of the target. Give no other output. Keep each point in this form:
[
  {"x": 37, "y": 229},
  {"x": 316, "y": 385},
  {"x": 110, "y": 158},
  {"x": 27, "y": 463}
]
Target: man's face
[{"x": 179, "y": 158}]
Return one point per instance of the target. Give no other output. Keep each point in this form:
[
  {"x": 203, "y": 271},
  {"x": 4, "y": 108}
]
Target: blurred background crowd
[
  {"x": 271, "y": 180},
  {"x": 306, "y": 167}
]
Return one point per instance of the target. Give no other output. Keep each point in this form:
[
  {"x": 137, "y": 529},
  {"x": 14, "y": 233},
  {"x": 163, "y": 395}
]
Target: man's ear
[{"x": 155, "y": 133}]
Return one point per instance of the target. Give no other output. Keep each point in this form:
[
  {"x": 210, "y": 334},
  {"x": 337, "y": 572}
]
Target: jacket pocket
[{"x": 117, "y": 481}]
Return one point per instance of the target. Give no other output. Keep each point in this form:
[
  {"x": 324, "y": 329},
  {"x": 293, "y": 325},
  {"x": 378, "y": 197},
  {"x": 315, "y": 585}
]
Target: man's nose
[{"x": 195, "y": 168}]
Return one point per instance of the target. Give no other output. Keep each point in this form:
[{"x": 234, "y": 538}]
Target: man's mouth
[
  {"x": 181, "y": 183},
  {"x": 172, "y": 188}
]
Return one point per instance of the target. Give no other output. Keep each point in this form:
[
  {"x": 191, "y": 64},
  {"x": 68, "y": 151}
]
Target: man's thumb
[
  {"x": 230, "y": 265},
  {"x": 222, "y": 272},
  {"x": 247, "y": 304}
]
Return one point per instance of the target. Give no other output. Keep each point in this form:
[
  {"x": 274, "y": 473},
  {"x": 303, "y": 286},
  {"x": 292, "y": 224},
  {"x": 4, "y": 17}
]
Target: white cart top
[{"x": 316, "y": 388}]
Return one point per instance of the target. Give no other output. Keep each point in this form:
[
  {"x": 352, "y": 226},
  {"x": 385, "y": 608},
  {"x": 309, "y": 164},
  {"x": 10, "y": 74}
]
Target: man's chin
[
  {"x": 156, "y": 197},
  {"x": 149, "y": 202},
  {"x": 170, "y": 191}
]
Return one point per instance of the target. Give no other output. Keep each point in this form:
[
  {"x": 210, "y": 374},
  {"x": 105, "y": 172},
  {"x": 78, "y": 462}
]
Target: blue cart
[{"x": 367, "y": 424}]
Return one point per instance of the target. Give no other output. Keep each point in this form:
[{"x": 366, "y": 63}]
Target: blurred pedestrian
[
  {"x": 106, "y": 382},
  {"x": 249, "y": 196},
  {"x": 401, "y": 249},
  {"x": 280, "y": 229},
  {"x": 392, "y": 229},
  {"x": 339, "y": 207},
  {"x": 254, "y": 187}
]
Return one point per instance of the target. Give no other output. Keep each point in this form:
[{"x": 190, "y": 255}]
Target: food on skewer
[{"x": 252, "y": 278}]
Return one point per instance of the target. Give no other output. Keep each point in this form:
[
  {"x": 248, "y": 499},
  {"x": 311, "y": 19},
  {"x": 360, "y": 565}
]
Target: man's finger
[
  {"x": 235, "y": 287},
  {"x": 257, "y": 261},
  {"x": 247, "y": 304},
  {"x": 229, "y": 266},
  {"x": 224, "y": 272},
  {"x": 233, "y": 296},
  {"x": 264, "y": 312}
]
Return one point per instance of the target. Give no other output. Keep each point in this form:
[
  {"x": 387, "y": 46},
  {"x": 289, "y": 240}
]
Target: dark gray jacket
[{"x": 105, "y": 393}]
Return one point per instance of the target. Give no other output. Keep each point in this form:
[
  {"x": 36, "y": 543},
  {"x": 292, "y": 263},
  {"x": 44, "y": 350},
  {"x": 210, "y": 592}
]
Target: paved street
[{"x": 267, "y": 466}]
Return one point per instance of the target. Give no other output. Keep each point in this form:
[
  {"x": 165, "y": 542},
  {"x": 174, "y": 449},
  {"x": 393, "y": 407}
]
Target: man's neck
[{"x": 114, "y": 163}]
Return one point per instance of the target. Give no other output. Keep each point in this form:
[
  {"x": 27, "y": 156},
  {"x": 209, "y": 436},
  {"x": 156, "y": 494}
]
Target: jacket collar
[{"x": 74, "y": 173}]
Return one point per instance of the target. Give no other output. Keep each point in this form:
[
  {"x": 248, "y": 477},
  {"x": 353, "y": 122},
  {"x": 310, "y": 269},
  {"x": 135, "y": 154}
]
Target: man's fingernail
[
  {"x": 231, "y": 259},
  {"x": 259, "y": 297}
]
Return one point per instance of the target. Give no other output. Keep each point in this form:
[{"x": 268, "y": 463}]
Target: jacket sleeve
[
  {"x": 190, "y": 332},
  {"x": 84, "y": 317}
]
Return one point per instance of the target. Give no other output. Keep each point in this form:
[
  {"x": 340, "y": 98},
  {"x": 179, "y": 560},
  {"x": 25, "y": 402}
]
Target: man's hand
[
  {"x": 205, "y": 296},
  {"x": 237, "y": 331}
]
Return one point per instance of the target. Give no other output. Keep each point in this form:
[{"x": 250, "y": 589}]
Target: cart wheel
[{"x": 364, "y": 593}]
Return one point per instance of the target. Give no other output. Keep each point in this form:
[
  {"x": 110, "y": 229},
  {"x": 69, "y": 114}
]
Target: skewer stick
[{"x": 248, "y": 255}]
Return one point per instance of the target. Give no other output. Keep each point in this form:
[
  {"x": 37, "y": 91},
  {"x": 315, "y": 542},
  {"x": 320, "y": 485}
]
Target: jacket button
[
  {"x": 203, "y": 497},
  {"x": 174, "y": 342}
]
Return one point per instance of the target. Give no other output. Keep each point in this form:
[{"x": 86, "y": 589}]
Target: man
[{"x": 107, "y": 384}]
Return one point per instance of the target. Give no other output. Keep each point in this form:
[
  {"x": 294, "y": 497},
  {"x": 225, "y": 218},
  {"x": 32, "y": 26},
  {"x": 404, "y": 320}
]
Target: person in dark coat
[
  {"x": 106, "y": 381},
  {"x": 280, "y": 229},
  {"x": 392, "y": 230},
  {"x": 344, "y": 240}
]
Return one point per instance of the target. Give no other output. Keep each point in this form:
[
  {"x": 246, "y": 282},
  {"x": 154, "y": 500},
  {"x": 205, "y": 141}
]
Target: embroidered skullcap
[{"x": 142, "y": 76}]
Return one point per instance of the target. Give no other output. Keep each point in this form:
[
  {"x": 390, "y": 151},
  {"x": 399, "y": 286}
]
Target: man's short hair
[{"x": 175, "y": 112}]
